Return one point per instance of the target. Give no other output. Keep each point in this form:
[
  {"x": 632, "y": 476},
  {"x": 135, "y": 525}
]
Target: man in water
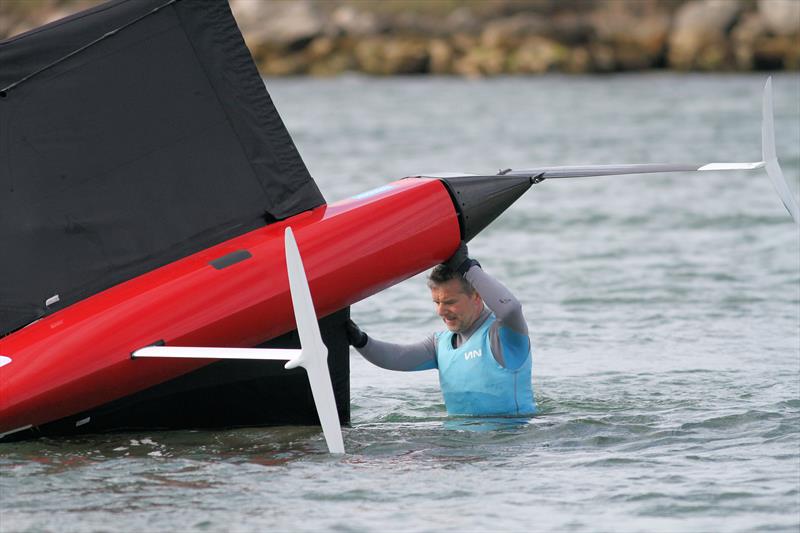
[{"x": 484, "y": 357}]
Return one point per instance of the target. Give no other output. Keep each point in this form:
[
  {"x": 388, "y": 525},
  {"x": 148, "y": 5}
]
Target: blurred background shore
[{"x": 475, "y": 38}]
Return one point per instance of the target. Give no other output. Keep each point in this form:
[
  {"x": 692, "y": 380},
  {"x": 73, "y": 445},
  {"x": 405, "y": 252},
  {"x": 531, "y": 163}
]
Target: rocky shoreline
[{"x": 477, "y": 38}]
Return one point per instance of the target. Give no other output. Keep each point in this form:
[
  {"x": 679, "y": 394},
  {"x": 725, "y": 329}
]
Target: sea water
[{"x": 664, "y": 311}]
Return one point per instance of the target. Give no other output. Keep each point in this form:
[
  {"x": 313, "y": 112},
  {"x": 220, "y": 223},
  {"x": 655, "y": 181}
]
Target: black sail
[{"x": 131, "y": 135}]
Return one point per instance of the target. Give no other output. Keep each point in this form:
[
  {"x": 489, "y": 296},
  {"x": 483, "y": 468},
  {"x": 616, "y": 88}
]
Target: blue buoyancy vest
[{"x": 473, "y": 382}]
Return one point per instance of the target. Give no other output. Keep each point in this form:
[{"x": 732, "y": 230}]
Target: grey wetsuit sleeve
[
  {"x": 499, "y": 299},
  {"x": 506, "y": 309},
  {"x": 406, "y": 357}
]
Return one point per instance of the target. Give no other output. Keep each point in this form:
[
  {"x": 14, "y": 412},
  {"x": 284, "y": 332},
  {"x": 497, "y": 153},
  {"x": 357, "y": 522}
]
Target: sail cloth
[{"x": 131, "y": 135}]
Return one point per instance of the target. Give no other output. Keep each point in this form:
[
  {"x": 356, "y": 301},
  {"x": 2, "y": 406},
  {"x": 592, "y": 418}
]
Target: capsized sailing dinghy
[{"x": 147, "y": 187}]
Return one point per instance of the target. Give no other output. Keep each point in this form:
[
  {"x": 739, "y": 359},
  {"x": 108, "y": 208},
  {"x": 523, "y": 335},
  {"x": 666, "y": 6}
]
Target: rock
[
  {"x": 463, "y": 42},
  {"x": 16, "y": 19},
  {"x": 744, "y": 38},
  {"x": 392, "y": 55},
  {"x": 511, "y": 31},
  {"x": 471, "y": 38},
  {"x": 406, "y": 56},
  {"x": 537, "y": 55},
  {"x": 782, "y": 17},
  {"x": 462, "y": 20},
  {"x": 282, "y": 64},
  {"x": 369, "y": 55},
  {"x": 579, "y": 61},
  {"x": 481, "y": 61},
  {"x": 602, "y": 57},
  {"x": 278, "y": 23},
  {"x": 333, "y": 64},
  {"x": 347, "y": 20},
  {"x": 441, "y": 56},
  {"x": 571, "y": 28},
  {"x": 777, "y": 52},
  {"x": 320, "y": 48},
  {"x": 698, "y": 38},
  {"x": 11, "y": 27},
  {"x": 636, "y": 33},
  {"x": 756, "y": 45},
  {"x": 414, "y": 23}
]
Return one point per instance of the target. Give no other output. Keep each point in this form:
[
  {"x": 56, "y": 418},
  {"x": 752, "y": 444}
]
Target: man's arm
[
  {"x": 499, "y": 299},
  {"x": 509, "y": 333},
  {"x": 404, "y": 357}
]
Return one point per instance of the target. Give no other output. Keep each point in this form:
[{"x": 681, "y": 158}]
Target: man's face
[{"x": 458, "y": 309}]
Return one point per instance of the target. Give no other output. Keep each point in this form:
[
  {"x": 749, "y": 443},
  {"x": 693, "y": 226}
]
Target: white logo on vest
[{"x": 472, "y": 354}]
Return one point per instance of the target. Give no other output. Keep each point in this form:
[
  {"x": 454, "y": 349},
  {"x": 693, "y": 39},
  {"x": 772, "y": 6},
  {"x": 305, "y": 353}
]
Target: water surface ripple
[{"x": 665, "y": 313}]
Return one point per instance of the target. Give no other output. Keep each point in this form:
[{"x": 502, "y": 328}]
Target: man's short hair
[{"x": 442, "y": 274}]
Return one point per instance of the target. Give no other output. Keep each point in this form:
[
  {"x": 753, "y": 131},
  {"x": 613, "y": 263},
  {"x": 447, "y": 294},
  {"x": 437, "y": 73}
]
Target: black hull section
[{"x": 224, "y": 394}]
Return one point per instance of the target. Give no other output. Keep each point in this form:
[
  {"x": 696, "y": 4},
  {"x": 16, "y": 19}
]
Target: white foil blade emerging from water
[
  {"x": 314, "y": 356},
  {"x": 770, "y": 162},
  {"x": 769, "y": 153}
]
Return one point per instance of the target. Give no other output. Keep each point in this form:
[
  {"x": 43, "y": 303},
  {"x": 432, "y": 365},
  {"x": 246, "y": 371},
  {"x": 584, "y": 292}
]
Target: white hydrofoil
[
  {"x": 768, "y": 154},
  {"x": 312, "y": 355}
]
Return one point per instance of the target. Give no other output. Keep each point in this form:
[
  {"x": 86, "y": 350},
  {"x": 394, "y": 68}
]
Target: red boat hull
[{"x": 233, "y": 294}]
